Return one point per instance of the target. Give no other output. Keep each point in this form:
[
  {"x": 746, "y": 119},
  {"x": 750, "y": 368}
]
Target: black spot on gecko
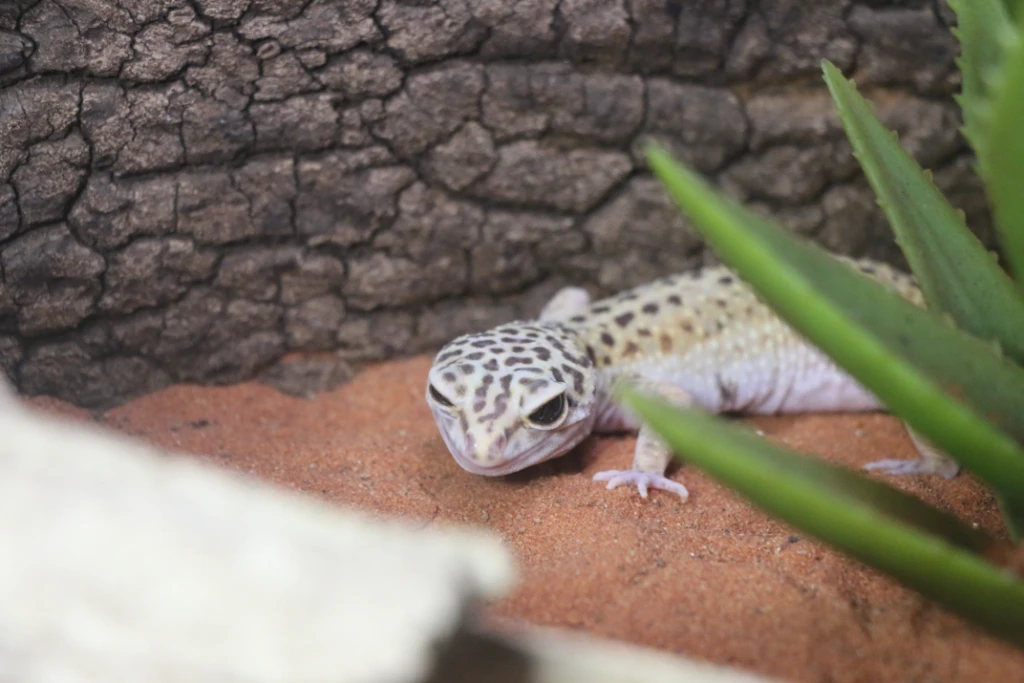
[
  {"x": 650, "y": 309},
  {"x": 542, "y": 353},
  {"x": 600, "y": 309},
  {"x": 577, "y": 377},
  {"x": 479, "y": 405},
  {"x": 577, "y": 318},
  {"x": 476, "y": 355},
  {"x": 675, "y": 300},
  {"x": 644, "y": 332},
  {"x": 557, "y": 375},
  {"x": 725, "y": 280},
  {"x": 623, "y": 320},
  {"x": 688, "y": 327},
  {"x": 448, "y": 355},
  {"x": 500, "y": 404},
  {"x": 506, "y": 385},
  {"x": 518, "y": 349},
  {"x": 590, "y": 354},
  {"x": 481, "y": 391},
  {"x": 483, "y": 342},
  {"x": 606, "y": 360},
  {"x": 630, "y": 350},
  {"x": 517, "y": 360},
  {"x": 577, "y": 360},
  {"x": 607, "y": 339},
  {"x": 491, "y": 365},
  {"x": 582, "y": 361},
  {"x": 726, "y": 392},
  {"x": 449, "y": 376},
  {"x": 466, "y": 368}
]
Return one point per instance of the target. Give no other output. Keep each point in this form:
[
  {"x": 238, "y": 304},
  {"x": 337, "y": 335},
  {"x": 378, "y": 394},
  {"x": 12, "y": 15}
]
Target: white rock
[{"x": 122, "y": 563}]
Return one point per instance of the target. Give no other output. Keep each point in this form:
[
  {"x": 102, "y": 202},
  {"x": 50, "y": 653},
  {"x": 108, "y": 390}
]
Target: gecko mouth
[
  {"x": 496, "y": 461},
  {"x": 499, "y": 469},
  {"x": 498, "y": 464}
]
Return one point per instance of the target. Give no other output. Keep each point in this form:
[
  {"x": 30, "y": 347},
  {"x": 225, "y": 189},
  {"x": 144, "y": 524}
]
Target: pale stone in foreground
[{"x": 122, "y": 563}]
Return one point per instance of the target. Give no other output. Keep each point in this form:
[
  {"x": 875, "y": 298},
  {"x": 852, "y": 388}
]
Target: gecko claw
[
  {"x": 643, "y": 481},
  {"x": 919, "y": 466}
]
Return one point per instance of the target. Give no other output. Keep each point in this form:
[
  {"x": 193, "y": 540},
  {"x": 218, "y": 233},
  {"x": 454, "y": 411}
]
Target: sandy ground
[{"x": 711, "y": 578}]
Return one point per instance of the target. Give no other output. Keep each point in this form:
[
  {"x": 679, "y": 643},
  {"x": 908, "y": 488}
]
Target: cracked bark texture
[{"x": 190, "y": 189}]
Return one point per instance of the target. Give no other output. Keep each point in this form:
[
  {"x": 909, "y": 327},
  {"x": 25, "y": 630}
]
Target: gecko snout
[
  {"x": 492, "y": 451},
  {"x": 487, "y": 453}
]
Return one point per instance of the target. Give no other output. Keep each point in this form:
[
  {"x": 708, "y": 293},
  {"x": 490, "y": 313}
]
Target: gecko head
[{"x": 512, "y": 397}]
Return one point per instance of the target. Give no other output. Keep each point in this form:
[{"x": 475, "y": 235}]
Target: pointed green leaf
[
  {"x": 981, "y": 25},
  {"x": 955, "y": 270},
  {"x": 938, "y": 378},
  {"x": 1001, "y": 153},
  {"x": 924, "y": 548}
]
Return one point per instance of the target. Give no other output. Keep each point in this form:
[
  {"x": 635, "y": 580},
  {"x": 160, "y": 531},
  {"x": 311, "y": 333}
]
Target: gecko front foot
[
  {"x": 643, "y": 481},
  {"x": 919, "y": 466}
]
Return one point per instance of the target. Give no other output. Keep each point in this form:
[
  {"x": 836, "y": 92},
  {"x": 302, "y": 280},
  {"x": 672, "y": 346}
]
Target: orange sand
[{"x": 712, "y": 578}]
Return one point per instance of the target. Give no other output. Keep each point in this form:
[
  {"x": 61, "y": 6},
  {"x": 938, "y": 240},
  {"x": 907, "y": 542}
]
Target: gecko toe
[{"x": 905, "y": 467}]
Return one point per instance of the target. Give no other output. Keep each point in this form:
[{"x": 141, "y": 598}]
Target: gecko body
[{"x": 526, "y": 392}]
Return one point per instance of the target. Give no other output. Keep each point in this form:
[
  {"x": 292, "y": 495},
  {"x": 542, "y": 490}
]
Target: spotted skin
[{"x": 526, "y": 392}]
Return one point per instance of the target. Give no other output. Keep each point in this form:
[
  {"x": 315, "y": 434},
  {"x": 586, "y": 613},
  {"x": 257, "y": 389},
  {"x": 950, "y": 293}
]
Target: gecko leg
[
  {"x": 932, "y": 461},
  {"x": 566, "y": 302},
  {"x": 652, "y": 455}
]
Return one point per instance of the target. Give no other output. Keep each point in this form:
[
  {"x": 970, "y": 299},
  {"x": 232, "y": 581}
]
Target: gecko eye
[
  {"x": 549, "y": 413},
  {"x": 439, "y": 398}
]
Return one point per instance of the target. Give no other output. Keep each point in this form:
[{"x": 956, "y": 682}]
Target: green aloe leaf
[
  {"x": 1001, "y": 151},
  {"x": 956, "y": 272},
  {"x": 950, "y": 386},
  {"x": 981, "y": 25},
  {"x": 924, "y": 548}
]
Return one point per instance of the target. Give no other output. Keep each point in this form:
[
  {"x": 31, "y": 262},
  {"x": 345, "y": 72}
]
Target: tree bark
[{"x": 189, "y": 189}]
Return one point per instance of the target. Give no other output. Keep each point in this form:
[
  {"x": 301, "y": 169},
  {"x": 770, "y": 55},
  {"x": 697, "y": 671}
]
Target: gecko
[{"x": 525, "y": 392}]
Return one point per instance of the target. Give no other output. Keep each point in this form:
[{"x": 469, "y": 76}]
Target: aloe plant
[{"x": 953, "y": 371}]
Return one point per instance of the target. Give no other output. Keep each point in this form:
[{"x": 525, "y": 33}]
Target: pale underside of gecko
[{"x": 526, "y": 392}]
